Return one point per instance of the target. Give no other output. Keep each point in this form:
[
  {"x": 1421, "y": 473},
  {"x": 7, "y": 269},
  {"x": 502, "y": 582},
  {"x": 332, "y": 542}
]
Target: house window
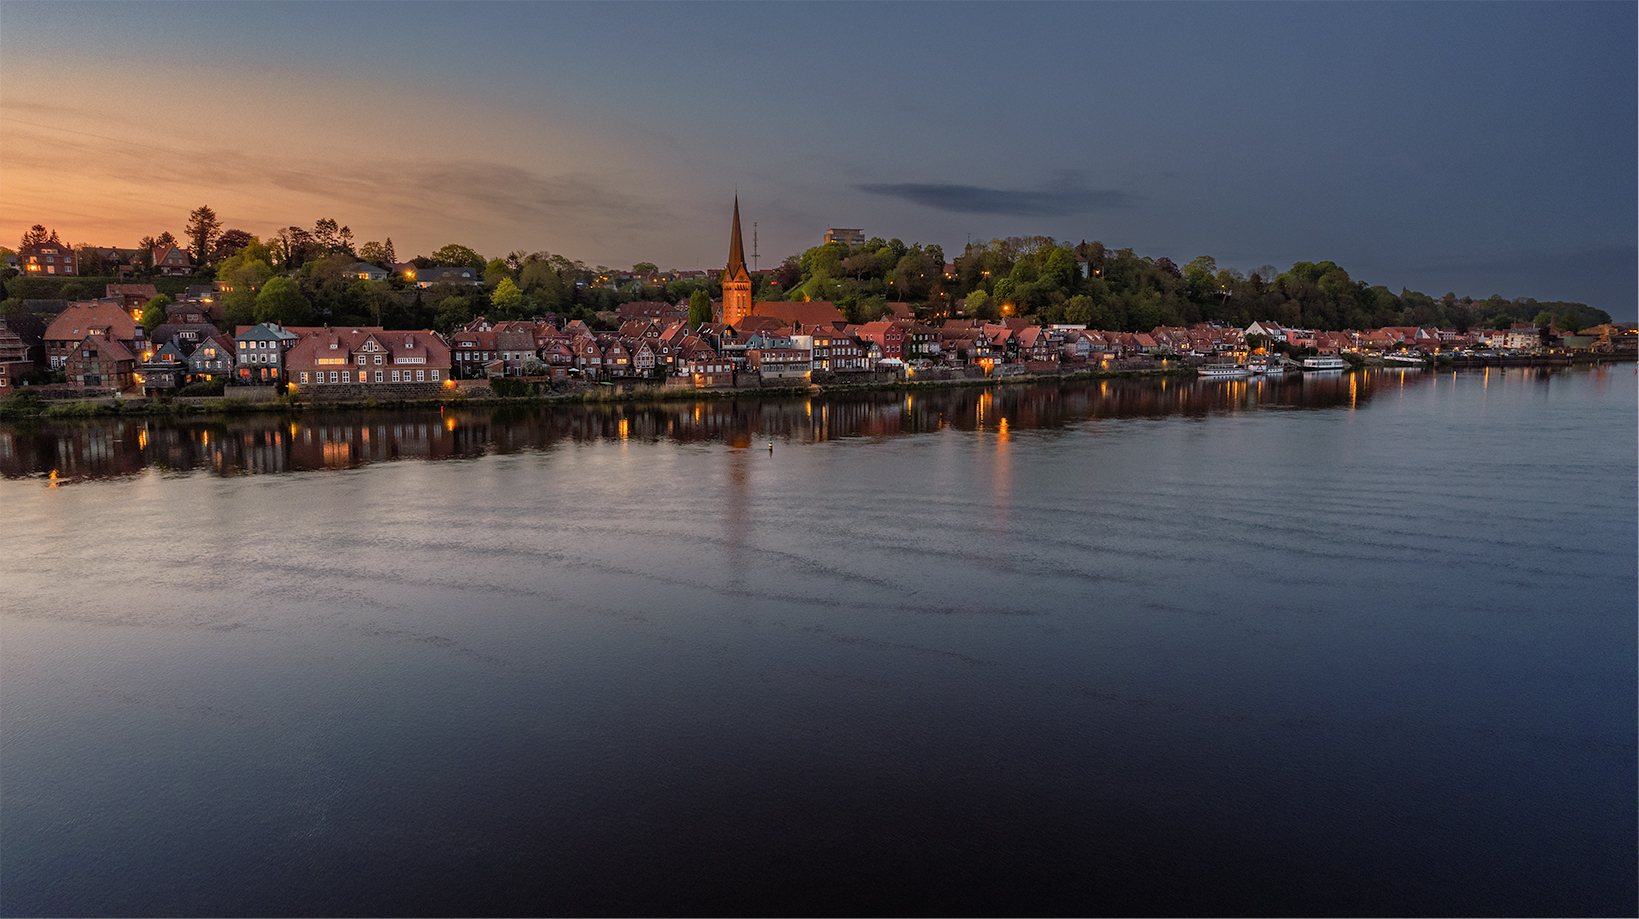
[
  {"x": 332, "y": 376},
  {"x": 378, "y": 360},
  {"x": 361, "y": 360},
  {"x": 378, "y": 376},
  {"x": 420, "y": 376},
  {"x": 395, "y": 376},
  {"x": 304, "y": 376}
]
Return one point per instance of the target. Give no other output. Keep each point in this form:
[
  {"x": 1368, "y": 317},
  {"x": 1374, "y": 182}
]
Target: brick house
[
  {"x": 132, "y": 295},
  {"x": 100, "y": 361},
  {"x": 14, "y": 358},
  {"x": 107, "y": 317},
  {"x": 51, "y": 257},
  {"x": 367, "y": 357}
]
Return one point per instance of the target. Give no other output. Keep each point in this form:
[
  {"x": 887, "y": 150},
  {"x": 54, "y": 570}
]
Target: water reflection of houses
[{"x": 256, "y": 444}]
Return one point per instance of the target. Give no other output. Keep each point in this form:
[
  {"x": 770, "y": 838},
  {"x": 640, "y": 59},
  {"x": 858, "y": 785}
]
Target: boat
[
  {"x": 1267, "y": 366},
  {"x": 1325, "y": 362},
  {"x": 1403, "y": 359},
  {"x": 1224, "y": 371}
]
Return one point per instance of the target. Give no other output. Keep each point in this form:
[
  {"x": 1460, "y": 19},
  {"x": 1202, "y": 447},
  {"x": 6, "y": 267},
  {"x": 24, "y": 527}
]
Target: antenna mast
[{"x": 753, "y": 245}]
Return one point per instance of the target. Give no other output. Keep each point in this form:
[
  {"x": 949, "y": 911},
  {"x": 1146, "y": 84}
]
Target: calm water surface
[{"x": 1359, "y": 645}]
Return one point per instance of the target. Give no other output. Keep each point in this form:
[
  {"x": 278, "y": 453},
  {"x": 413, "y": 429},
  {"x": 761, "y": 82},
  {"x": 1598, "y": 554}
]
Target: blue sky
[{"x": 1472, "y": 147}]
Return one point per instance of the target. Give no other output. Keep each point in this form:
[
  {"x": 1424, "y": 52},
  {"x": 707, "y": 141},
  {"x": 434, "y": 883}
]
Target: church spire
[
  {"x": 736, "y": 247},
  {"x": 736, "y": 280}
]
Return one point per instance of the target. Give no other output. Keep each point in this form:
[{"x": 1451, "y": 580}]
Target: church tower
[{"x": 736, "y": 279}]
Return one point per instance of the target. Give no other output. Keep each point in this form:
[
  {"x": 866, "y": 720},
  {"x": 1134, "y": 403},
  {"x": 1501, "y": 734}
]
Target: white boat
[
  {"x": 1403, "y": 359},
  {"x": 1224, "y": 371},
  {"x": 1269, "y": 366},
  {"x": 1325, "y": 362}
]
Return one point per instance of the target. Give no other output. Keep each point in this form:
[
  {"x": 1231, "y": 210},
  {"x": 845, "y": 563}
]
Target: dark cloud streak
[{"x": 1063, "y": 199}]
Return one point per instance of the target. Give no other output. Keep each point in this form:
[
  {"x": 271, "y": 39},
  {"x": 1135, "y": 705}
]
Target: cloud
[
  {"x": 1066, "y": 197},
  {"x": 451, "y": 196}
]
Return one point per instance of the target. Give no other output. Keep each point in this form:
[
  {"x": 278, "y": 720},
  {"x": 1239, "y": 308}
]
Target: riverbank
[{"x": 26, "y": 405}]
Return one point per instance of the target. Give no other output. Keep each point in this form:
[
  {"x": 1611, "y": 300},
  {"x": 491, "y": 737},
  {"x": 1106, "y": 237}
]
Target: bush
[
  {"x": 203, "y": 388},
  {"x": 511, "y": 389},
  {"x": 20, "y": 405}
]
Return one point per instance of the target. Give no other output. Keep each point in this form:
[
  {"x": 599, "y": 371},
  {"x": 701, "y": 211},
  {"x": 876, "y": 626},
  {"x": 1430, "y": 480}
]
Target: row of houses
[
  {"x": 55, "y": 258},
  {"x": 101, "y": 344},
  {"x": 1519, "y": 336}
]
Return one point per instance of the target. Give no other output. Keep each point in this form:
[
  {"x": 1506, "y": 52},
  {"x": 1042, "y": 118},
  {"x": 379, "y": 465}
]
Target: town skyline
[{"x": 1477, "y": 150}]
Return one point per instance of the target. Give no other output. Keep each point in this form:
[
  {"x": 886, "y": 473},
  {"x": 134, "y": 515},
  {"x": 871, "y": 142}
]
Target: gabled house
[
  {"x": 51, "y": 257},
  {"x": 133, "y": 296},
  {"x": 163, "y": 369},
  {"x": 101, "y": 361},
  {"x": 104, "y": 317},
  {"x": 459, "y": 275},
  {"x": 366, "y": 357},
  {"x": 259, "y": 353},
  {"x": 211, "y": 359},
  {"x": 172, "y": 260},
  {"x": 365, "y": 271}
]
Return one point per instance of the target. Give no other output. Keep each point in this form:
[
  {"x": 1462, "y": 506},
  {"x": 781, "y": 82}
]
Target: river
[{"x": 1347, "y": 645}]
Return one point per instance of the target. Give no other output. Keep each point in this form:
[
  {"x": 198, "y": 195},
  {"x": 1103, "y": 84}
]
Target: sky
[{"x": 1475, "y": 148}]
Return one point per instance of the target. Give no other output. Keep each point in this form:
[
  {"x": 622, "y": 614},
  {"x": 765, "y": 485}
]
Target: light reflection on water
[
  {"x": 259, "y": 444},
  {"x": 1353, "y": 645}
]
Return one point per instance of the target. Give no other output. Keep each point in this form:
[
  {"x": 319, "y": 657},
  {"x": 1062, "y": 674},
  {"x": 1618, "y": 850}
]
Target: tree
[
  {"x": 153, "y": 312},
  {"x": 292, "y": 247},
  {"x": 231, "y": 242},
  {"x": 203, "y": 229},
  {"x": 979, "y": 304},
  {"x": 1060, "y": 269},
  {"x": 495, "y": 271},
  {"x": 241, "y": 271},
  {"x": 645, "y": 268},
  {"x": 453, "y": 312},
  {"x": 378, "y": 254},
  {"x": 35, "y": 236},
  {"x": 91, "y": 262},
  {"x": 508, "y": 300},
  {"x": 378, "y": 298},
  {"x": 283, "y": 302},
  {"x": 454, "y": 256},
  {"x": 699, "y": 309}
]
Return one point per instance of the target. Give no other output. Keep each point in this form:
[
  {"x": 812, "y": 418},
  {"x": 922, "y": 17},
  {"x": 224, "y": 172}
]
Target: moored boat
[
  {"x": 1225, "y": 371},
  {"x": 1325, "y": 362}
]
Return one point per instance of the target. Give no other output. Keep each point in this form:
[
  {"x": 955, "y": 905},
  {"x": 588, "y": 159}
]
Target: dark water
[{"x": 1364, "y": 645}]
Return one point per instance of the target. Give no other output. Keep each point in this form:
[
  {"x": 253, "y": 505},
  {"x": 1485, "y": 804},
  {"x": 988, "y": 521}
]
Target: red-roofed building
[
  {"x": 104, "y": 317},
  {"x": 366, "y": 356},
  {"x": 804, "y": 316}
]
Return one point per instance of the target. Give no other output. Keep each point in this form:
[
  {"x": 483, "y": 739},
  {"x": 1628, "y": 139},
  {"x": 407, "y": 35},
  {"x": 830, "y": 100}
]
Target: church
[
  {"x": 737, "y": 302},
  {"x": 736, "y": 279}
]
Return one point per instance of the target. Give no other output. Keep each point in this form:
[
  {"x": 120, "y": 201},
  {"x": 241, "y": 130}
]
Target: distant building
[
  {"x": 848, "y": 237},
  {"x": 51, "y": 257}
]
